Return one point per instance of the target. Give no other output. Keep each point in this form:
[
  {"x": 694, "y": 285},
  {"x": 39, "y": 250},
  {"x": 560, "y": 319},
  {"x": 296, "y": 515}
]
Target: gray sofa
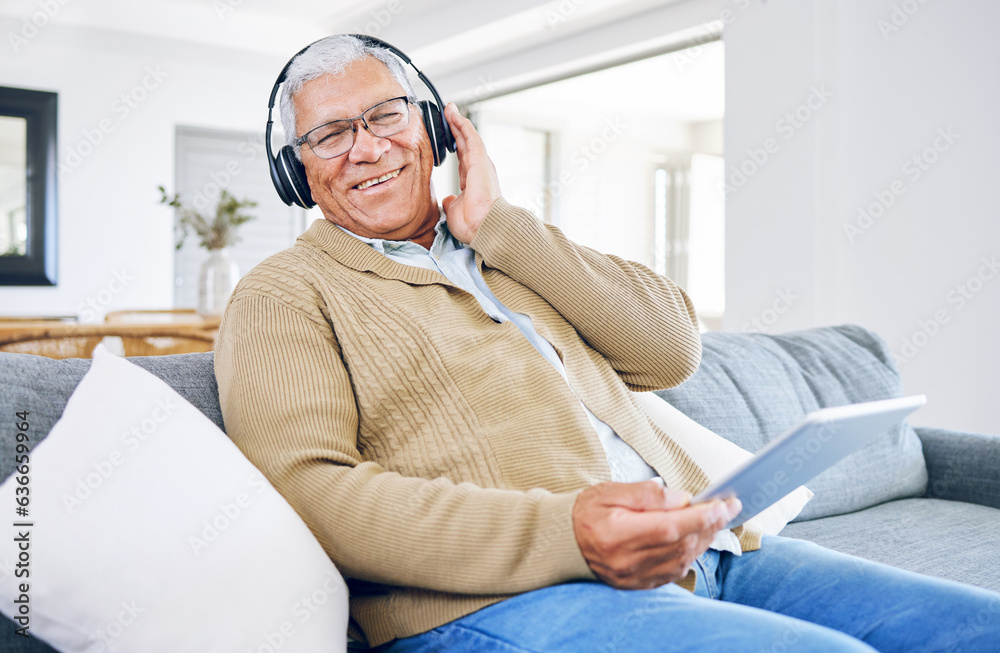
[{"x": 922, "y": 499}]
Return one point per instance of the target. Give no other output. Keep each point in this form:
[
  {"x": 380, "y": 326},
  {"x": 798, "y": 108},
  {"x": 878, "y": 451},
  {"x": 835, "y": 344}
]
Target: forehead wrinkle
[
  {"x": 329, "y": 119},
  {"x": 327, "y": 116}
]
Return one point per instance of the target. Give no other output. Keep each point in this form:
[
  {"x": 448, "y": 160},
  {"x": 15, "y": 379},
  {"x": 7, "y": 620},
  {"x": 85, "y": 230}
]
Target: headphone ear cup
[
  {"x": 291, "y": 182},
  {"x": 434, "y": 124}
]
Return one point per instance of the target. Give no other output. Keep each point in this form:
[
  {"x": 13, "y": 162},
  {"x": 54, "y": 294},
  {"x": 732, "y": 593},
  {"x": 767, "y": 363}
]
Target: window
[
  {"x": 522, "y": 156},
  {"x": 624, "y": 160},
  {"x": 689, "y": 231}
]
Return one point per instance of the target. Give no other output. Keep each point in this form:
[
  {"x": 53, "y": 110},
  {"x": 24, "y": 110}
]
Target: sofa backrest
[
  {"x": 42, "y": 386},
  {"x": 750, "y": 388}
]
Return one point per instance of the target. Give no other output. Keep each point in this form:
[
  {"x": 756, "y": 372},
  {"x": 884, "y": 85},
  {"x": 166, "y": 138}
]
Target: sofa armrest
[{"x": 961, "y": 466}]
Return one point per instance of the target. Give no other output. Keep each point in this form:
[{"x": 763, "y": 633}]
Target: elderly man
[{"x": 444, "y": 398}]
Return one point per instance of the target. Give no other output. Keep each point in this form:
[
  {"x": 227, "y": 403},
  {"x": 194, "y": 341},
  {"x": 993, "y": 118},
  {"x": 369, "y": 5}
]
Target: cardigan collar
[{"x": 349, "y": 251}]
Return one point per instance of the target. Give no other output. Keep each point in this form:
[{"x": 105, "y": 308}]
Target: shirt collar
[{"x": 382, "y": 246}]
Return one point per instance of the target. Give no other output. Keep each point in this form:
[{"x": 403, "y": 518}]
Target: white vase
[{"x": 218, "y": 277}]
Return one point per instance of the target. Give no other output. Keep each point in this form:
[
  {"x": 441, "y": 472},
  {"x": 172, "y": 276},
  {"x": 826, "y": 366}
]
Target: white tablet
[{"x": 818, "y": 441}]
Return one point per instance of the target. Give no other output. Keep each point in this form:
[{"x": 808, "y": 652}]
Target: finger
[
  {"x": 623, "y": 530},
  {"x": 461, "y": 149},
  {"x": 674, "y": 499},
  {"x": 670, "y": 562},
  {"x": 665, "y": 572},
  {"x": 455, "y": 118},
  {"x": 709, "y": 516},
  {"x": 647, "y": 495},
  {"x": 450, "y": 110},
  {"x": 654, "y": 528},
  {"x": 447, "y": 202},
  {"x": 651, "y": 567},
  {"x": 455, "y": 121},
  {"x": 472, "y": 156},
  {"x": 465, "y": 133}
]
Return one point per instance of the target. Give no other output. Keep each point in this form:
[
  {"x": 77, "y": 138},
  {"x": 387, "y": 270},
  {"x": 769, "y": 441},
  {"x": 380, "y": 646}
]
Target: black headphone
[{"x": 287, "y": 172}]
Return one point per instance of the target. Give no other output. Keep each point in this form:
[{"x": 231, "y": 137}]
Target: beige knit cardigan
[{"x": 433, "y": 452}]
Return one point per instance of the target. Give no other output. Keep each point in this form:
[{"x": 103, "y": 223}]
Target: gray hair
[{"x": 331, "y": 56}]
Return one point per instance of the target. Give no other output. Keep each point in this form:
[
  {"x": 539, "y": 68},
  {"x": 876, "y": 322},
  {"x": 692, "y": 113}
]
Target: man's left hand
[{"x": 478, "y": 184}]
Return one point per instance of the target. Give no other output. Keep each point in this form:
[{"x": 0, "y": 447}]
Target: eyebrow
[{"x": 355, "y": 116}]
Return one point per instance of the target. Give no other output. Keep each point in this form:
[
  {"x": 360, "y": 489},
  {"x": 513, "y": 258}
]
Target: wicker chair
[
  {"x": 79, "y": 340},
  {"x": 47, "y": 319},
  {"x": 154, "y": 315}
]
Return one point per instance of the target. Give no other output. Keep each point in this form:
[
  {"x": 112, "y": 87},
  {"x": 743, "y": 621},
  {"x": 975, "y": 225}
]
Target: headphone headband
[
  {"x": 287, "y": 172},
  {"x": 371, "y": 41}
]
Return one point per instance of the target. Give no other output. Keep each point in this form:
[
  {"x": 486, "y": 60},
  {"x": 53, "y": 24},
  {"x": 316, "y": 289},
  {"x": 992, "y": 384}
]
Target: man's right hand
[{"x": 641, "y": 535}]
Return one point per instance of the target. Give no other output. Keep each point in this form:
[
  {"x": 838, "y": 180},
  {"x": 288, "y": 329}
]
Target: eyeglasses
[{"x": 337, "y": 137}]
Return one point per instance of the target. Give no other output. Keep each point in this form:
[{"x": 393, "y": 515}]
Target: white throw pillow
[
  {"x": 152, "y": 532},
  {"x": 718, "y": 456}
]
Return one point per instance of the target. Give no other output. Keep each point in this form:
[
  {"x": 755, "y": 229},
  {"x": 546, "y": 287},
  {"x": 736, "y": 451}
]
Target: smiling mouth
[{"x": 378, "y": 180}]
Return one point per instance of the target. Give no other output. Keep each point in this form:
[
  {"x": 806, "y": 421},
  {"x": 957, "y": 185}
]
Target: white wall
[
  {"x": 111, "y": 226},
  {"x": 896, "y": 82}
]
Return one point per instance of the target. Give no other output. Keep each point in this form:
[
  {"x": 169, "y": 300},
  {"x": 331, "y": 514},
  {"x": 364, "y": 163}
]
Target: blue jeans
[{"x": 791, "y": 595}]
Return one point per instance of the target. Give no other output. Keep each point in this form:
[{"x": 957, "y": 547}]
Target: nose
[{"x": 367, "y": 147}]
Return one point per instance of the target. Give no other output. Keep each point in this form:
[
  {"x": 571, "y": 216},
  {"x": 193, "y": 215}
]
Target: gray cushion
[
  {"x": 947, "y": 539},
  {"x": 42, "y": 386},
  {"x": 750, "y": 388}
]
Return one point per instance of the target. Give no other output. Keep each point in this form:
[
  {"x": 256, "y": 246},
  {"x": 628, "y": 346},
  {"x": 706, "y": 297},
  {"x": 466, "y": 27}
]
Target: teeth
[{"x": 371, "y": 182}]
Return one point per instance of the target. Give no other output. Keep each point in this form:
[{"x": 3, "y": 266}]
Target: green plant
[{"x": 215, "y": 233}]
